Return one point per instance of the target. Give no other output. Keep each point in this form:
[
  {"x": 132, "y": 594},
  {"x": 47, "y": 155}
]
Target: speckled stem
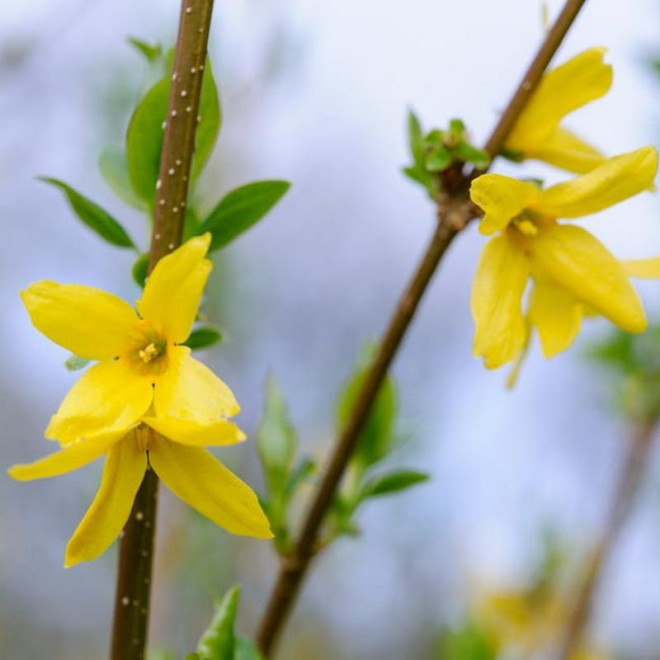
[{"x": 131, "y": 615}]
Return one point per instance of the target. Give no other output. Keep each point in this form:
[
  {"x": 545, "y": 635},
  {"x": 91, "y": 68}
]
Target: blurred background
[{"x": 317, "y": 93}]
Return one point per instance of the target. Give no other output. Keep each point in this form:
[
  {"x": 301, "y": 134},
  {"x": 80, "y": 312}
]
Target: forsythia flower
[
  {"x": 538, "y": 134},
  {"x": 147, "y": 403},
  {"x": 570, "y": 269}
]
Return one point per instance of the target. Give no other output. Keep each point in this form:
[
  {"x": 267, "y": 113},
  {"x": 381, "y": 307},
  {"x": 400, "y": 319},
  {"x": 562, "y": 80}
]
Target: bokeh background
[{"x": 317, "y": 93}]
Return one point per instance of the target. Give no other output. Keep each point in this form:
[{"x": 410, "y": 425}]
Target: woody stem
[{"x": 131, "y": 613}]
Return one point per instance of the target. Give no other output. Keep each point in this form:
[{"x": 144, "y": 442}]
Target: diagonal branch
[
  {"x": 131, "y": 614},
  {"x": 454, "y": 213},
  {"x": 630, "y": 482}
]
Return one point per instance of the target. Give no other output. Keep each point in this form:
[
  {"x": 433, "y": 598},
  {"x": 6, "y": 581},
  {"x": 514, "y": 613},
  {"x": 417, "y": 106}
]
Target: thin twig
[
  {"x": 630, "y": 482},
  {"x": 453, "y": 215},
  {"x": 131, "y": 616}
]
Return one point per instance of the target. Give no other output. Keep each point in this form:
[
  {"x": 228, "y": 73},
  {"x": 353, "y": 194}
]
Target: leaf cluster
[
  {"x": 438, "y": 150},
  {"x": 286, "y": 473}
]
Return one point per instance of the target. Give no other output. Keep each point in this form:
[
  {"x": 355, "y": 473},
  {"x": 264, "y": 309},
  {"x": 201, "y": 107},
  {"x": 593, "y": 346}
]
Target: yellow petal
[
  {"x": 582, "y": 79},
  {"x": 189, "y": 390},
  {"x": 612, "y": 182},
  {"x": 500, "y": 331},
  {"x": 122, "y": 474},
  {"x": 87, "y": 321},
  {"x": 501, "y": 198},
  {"x": 557, "y": 317},
  {"x": 576, "y": 261},
  {"x": 201, "y": 481},
  {"x": 642, "y": 268},
  {"x": 567, "y": 151},
  {"x": 174, "y": 289},
  {"x": 68, "y": 459},
  {"x": 196, "y": 434},
  {"x": 109, "y": 396}
]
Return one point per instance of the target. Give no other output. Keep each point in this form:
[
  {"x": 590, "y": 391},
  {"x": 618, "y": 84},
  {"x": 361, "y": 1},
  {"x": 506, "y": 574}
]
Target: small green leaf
[
  {"x": 208, "y": 128},
  {"x": 392, "y": 482},
  {"x": 438, "y": 160},
  {"x": 140, "y": 270},
  {"x": 470, "y": 154},
  {"x": 218, "y": 640},
  {"x": 75, "y": 362},
  {"x": 378, "y": 433},
  {"x": 277, "y": 443},
  {"x": 152, "y": 53},
  {"x": 470, "y": 642},
  {"x": 241, "y": 209},
  {"x": 418, "y": 175},
  {"x": 94, "y": 216},
  {"x": 245, "y": 649},
  {"x": 456, "y": 129},
  {"x": 415, "y": 139},
  {"x": 144, "y": 140},
  {"x": 112, "y": 164},
  {"x": 513, "y": 156},
  {"x": 203, "y": 338}
]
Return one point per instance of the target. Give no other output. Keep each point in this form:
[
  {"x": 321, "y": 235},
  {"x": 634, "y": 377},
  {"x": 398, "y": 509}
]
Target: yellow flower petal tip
[{"x": 538, "y": 134}]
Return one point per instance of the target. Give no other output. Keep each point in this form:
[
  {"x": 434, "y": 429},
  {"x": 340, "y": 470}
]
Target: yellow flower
[
  {"x": 143, "y": 370},
  {"x": 147, "y": 403},
  {"x": 538, "y": 134},
  {"x": 190, "y": 472},
  {"x": 571, "y": 270}
]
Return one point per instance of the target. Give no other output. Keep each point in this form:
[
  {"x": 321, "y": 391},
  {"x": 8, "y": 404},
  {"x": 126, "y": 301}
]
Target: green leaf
[
  {"x": 241, "y": 209},
  {"x": 152, "y": 53},
  {"x": 112, "y": 164},
  {"x": 203, "y": 338},
  {"x": 140, "y": 270},
  {"x": 376, "y": 438},
  {"x": 144, "y": 140},
  {"x": 94, "y": 216},
  {"x": 415, "y": 139},
  {"x": 392, "y": 482},
  {"x": 245, "y": 649},
  {"x": 470, "y": 154},
  {"x": 439, "y": 159},
  {"x": 617, "y": 351},
  {"x": 456, "y": 129},
  {"x": 208, "y": 128},
  {"x": 218, "y": 640},
  {"x": 75, "y": 362},
  {"x": 418, "y": 175},
  {"x": 277, "y": 443}
]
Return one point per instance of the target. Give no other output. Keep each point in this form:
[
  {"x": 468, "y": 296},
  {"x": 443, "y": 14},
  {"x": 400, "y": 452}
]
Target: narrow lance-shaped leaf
[
  {"x": 392, "y": 482},
  {"x": 152, "y": 53},
  {"x": 75, "y": 362},
  {"x": 276, "y": 439},
  {"x": 96, "y": 218},
  {"x": 245, "y": 649},
  {"x": 218, "y": 640},
  {"x": 241, "y": 209},
  {"x": 203, "y": 337}
]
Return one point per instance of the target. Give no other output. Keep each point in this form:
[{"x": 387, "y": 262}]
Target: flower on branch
[
  {"x": 147, "y": 403},
  {"x": 572, "y": 273},
  {"x": 538, "y": 133}
]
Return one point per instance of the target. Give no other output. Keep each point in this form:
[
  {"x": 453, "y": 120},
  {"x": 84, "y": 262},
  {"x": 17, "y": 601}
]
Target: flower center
[{"x": 151, "y": 351}]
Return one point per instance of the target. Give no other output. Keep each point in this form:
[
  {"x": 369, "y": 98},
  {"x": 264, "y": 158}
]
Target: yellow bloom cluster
[
  {"x": 571, "y": 273},
  {"x": 146, "y": 404}
]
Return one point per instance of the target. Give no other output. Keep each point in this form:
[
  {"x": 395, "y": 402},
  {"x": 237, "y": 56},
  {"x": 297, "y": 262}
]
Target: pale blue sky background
[{"x": 317, "y": 93}]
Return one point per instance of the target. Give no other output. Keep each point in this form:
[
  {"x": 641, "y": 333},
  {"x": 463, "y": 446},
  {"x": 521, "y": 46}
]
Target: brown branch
[
  {"x": 131, "y": 615},
  {"x": 630, "y": 481},
  {"x": 453, "y": 215}
]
